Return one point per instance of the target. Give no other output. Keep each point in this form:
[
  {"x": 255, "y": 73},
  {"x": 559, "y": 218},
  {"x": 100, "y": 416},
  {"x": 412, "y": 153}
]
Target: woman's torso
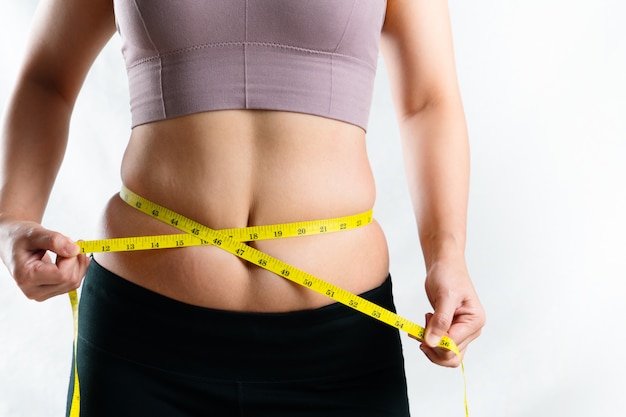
[{"x": 238, "y": 168}]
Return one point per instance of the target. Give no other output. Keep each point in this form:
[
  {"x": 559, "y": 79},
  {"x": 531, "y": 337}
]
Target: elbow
[
  {"x": 47, "y": 82},
  {"x": 421, "y": 106},
  {"x": 32, "y": 89}
]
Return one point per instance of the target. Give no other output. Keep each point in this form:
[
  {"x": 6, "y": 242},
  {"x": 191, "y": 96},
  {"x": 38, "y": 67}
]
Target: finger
[
  {"x": 439, "y": 354},
  {"x": 467, "y": 324},
  {"x": 446, "y": 357},
  {"x": 72, "y": 271},
  {"x": 43, "y": 280},
  {"x": 442, "y": 356},
  {"x": 438, "y": 324},
  {"x": 467, "y": 338},
  {"x": 54, "y": 242},
  {"x": 33, "y": 248}
]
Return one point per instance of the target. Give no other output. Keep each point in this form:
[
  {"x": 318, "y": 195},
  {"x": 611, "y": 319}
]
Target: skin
[{"x": 245, "y": 167}]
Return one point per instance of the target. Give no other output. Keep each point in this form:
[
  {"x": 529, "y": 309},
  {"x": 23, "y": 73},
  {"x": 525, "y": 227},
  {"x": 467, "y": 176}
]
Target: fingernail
[
  {"x": 432, "y": 340},
  {"x": 71, "y": 248}
]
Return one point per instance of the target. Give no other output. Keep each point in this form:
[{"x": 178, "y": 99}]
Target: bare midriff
[{"x": 238, "y": 168}]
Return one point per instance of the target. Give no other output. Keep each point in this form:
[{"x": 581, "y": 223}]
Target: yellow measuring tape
[{"x": 231, "y": 240}]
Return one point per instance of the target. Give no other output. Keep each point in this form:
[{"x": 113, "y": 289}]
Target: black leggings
[{"x": 143, "y": 354}]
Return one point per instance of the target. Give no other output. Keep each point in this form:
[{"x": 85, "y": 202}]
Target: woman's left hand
[{"x": 458, "y": 313}]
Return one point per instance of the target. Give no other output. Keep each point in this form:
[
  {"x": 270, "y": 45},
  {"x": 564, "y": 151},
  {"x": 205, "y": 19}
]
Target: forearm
[
  {"x": 436, "y": 156},
  {"x": 34, "y": 138}
]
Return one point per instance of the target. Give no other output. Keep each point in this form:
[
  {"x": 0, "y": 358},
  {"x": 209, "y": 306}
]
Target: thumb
[
  {"x": 438, "y": 323},
  {"x": 57, "y": 243}
]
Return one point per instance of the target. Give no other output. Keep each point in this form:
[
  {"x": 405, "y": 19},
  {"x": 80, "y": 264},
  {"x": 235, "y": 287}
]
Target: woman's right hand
[{"x": 43, "y": 263}]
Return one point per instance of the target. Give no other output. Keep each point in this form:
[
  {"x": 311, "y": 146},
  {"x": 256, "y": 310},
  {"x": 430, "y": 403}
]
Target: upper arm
[
  {"x": 66, "y": 37},
  {"x": 418, "y": 52}
]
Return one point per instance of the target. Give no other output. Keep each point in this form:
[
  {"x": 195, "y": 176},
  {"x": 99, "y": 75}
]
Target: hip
[{"x": 333, "y": 360}]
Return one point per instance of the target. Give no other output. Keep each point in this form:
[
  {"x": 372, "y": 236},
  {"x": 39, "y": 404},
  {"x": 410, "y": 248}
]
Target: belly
[{"x": 241, "y": 168}]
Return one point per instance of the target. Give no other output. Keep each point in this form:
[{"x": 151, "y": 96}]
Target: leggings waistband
[{"x": 139, "y": 325}]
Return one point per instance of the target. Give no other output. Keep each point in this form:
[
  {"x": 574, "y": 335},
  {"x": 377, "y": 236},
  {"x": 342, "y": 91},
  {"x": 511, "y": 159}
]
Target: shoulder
[{"x": 66, "y": 37}]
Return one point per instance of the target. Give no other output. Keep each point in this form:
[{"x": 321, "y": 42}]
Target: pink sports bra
[{"x": 309, "y": 56}]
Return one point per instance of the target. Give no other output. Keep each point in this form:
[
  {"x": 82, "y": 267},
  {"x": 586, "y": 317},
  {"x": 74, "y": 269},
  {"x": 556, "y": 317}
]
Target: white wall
[{"x": 544, "y": 85}]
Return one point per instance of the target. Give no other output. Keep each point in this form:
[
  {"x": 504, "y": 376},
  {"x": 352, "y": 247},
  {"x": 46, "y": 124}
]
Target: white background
[{"x": 544, "y": 88}]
